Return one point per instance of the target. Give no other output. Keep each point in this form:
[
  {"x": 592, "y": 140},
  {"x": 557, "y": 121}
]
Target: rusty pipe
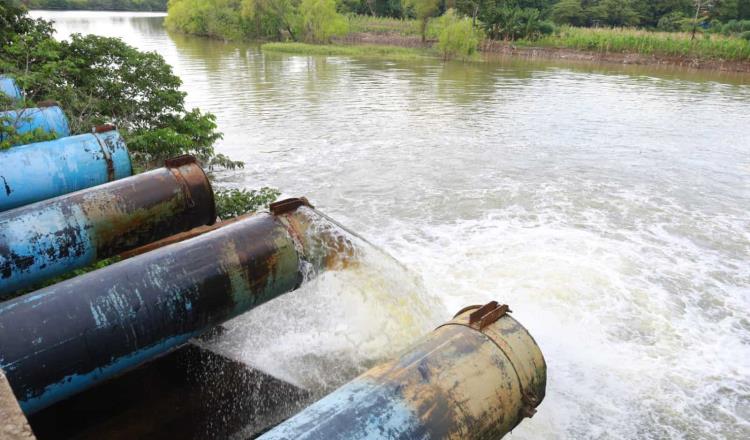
[
  {"x": 62, "y": 339},
  {"x": 55, "y": 236},
  {"x": 475, "y": 377}
]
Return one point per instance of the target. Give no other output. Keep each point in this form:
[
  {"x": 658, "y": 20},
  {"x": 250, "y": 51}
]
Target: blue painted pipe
[
  {"x": 43, "y": 170},
  {"x": 58, "y": 235},
  {"x": 9, "y": 88},
  {"x": 47, "y": 119},
  {"x": 60, "y": 340},
  {"x": 475, "y": 377}
]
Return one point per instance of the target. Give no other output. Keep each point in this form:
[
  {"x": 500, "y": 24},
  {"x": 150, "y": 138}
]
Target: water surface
[{"x": 607, "y": 205}]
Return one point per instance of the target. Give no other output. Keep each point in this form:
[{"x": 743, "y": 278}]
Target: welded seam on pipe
[
  {"x": 184, "y": 186},
  {"x": 107, "y": 157},
  {"x": 298, "y": 247}
]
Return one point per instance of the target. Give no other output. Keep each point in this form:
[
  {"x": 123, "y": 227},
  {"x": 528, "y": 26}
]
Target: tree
[
  {"x": 671, "y": 22},
  {"x": 320, "y": 21},
  {"x": 471, "y": 8},
  {"x": 569, "y": 12},
  {"x": 502, "y": 22},
  {"x": 616, "y": 13},
  {"x": 273, "y": 17},
  {"x": 423, "y": 10},
  {"x": 456, "y": 36},
  {"x": 98, "y": 80}
]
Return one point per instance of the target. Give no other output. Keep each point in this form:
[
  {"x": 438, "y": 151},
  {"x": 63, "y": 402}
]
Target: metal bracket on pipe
[
  {"x": 105, "y": 152},
  {"x": 287, "y": 205},
  {"x": 103, "y": 128},
  {"x": 487, "y": 314},
  {"x": 484, "y": 315},
  {"x": 530, "y": 402},
  {"x": 176, "y": 162}
]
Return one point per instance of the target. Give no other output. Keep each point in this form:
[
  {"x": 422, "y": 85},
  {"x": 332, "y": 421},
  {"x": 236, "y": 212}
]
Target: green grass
[
  {"x": 628, "y": 40},
  {"x": 382, "y": 25},
  {"x": 372, "y": 51}
]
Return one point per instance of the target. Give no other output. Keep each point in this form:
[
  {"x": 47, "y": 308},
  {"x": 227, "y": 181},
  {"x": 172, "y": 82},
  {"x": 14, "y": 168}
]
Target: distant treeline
[
  {"x": 499, "y": 19},
  {"x": 103, "y": 5}
]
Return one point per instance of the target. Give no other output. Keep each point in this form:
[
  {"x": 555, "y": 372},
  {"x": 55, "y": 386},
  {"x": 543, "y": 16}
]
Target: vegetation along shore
[
  {"x": 692, "y": 33},
  {"x": 99, "y": 5}
]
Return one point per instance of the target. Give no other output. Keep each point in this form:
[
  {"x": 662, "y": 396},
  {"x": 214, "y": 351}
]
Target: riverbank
[
  {"x": 99, "y": 5},
  {"x": 358, "y": 50},
  {"x": 612, "y": 46},
  {"x": 371, "y": 45}
]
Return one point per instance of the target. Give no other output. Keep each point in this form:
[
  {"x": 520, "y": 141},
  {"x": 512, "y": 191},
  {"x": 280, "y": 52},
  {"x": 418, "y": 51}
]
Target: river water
[{"x": 607, "y": 205}]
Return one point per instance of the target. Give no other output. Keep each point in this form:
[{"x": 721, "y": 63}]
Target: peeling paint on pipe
[
  {"x": 40, "y": 171},
  {"x": 475, "y": 377},
  {"x": 53, "y": 237},
  {"x": 9, "y": 88},
  {"x": 48, "y": 119},
  {"x": 62, "y": 339}
]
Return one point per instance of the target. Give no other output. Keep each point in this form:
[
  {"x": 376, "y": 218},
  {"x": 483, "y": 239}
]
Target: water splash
[{"x": 340, "y": 322}]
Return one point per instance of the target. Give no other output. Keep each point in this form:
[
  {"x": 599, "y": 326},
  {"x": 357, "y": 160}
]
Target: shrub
[
  {"x": 646, "y": 42},
  {"x": 671, "y": 22},
  {"x": 735, "y": 27},
  {"x": 456, "y": 35},
  {"x": 514, "y": 23},
  {"x": 569, "y": 12},
  {"x": 320, "y": 21},
  {"x": 233, "y": 202}
]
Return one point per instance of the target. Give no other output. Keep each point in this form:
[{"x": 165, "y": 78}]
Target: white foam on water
[{"x": 644, "y": 327}]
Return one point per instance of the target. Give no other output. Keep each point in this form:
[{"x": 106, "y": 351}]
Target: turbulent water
[{"x": 607, "y": 205}]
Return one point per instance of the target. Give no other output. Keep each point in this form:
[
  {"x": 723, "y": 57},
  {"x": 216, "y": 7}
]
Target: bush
[
  {"x": 546, "y": 28},
  {"x": 671, "y": 22},
  {"x": 320, "y": 21},
  {"x": 735, "y": 27},
  {"x": 233, "y": 202},
  {"x": 456, "y": 35},
  {"x": 645, "y": 42},
  {"x": 745, "y": 35},
  {"x": 382, "y": 25},
  {"x": 514, "y": 23},
  {"x": 569, "y": 12}
]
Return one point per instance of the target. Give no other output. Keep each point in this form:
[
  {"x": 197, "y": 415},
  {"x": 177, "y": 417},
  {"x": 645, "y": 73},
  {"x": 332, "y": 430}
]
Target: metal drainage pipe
[
  {"x": 40, "y": 171},
  {"x": 9, "y": 88},
  {"x": 475, "y": 377},
  {"x": 53, "y": 237},
  {"x": 62, "y": 339},
  {"x": 50, "y": 119}
]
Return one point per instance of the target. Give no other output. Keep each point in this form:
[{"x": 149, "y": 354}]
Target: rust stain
[{"x": 195, "y": 232}]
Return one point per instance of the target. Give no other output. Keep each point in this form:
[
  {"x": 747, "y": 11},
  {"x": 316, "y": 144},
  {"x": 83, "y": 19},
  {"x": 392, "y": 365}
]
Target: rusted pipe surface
[
  {"x": 49, "y": 238},
  {"x": 62, "y": 339},
  {"x": 463, "y": 381}
]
